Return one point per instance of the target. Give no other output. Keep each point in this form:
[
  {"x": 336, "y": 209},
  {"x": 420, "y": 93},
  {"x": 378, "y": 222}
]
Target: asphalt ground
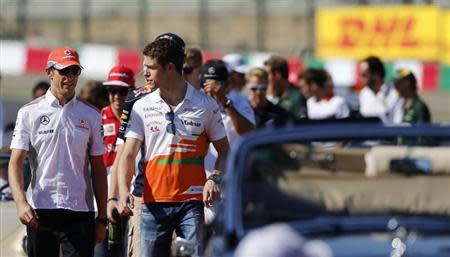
[{"x": 11, "y": 231}]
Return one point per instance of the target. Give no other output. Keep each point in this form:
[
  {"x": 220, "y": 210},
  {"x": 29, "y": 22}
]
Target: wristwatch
[
  {"x": 102, "y": 221},
  {"x": 216, "y": 178},
  {"x": 228, "y": 103}
]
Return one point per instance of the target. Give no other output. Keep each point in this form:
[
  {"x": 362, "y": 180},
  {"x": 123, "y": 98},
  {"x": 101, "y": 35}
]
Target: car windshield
[{"x": 354, "y": 183}]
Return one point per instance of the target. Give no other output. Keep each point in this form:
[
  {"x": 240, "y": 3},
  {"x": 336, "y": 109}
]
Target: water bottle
[
  {"x": 112, "y": 234},
  {"x": 115, "y": 236}
]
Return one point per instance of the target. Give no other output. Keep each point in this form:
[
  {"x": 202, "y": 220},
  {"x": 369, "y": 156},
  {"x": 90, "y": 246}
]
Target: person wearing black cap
[
  {"x": 214, "y": 78},
  {"x": 237, "y": 114},
  {"x": 415, "y": 110},
  {"x": 175, "y": 123}
]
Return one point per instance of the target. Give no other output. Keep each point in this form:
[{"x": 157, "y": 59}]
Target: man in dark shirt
[
  {"x": 265, "y": 111},
  {"x": 282, "y": 93},
  {"x": 415, "y": 109}
]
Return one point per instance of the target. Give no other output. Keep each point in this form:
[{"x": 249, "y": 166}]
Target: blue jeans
[{"x": 160, "y": 220}]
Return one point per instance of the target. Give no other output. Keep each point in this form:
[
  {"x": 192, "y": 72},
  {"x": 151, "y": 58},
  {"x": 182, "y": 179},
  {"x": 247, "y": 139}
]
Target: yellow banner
[
  {"x": 445, "y": 50},
  {"x": 391, "y": 32}
]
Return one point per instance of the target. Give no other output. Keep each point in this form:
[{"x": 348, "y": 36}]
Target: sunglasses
[
  {"x": 260, "y": 88},
  {"x": 170, "y": 116},
  {"x": 120, "y": 91},
  {"x": 72, "y": 70},
  {"x": 188, "y": 69}
]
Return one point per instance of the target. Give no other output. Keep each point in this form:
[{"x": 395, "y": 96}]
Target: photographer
[{"x": 237, "y": 114}]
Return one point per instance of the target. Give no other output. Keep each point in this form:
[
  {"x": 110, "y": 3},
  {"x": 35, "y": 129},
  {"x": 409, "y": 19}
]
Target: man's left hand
[
  {"x": 100, "y": 232},
  {"x": 211, "y": 192},
  {"x": 216, "y": 90}
]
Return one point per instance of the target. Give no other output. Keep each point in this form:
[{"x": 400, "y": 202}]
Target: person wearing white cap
[
  {"x": 61, "y": 135},
  {"x": 237, "y": 70}
]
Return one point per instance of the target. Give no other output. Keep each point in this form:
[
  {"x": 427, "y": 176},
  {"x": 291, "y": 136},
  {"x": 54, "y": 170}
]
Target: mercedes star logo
[{"x": 44, "y": 120}]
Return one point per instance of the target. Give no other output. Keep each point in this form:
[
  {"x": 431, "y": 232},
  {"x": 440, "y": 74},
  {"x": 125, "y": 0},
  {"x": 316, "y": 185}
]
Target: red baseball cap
[
  {"x": 120, "y": 76},
  {"x": 63, "y": 57}
]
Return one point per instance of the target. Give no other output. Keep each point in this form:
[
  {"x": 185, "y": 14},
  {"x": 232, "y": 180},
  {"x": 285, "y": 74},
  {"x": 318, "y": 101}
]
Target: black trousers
[{"x": 73, "y": 231}]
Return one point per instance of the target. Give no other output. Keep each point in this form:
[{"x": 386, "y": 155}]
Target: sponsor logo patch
[
  {"x": 190, "y": 109},
  {"x": 82, "y": 124},
  {"x": 191, "y": 123},
  {"x": 154, "y": 129},
  {"x": 220, "y": 121},
  {"x": 45, "y": 132},
  {"x": 109, "y": 129},
  {"x": 154, "y": 122},
  {"x": 151, "y": 115},
  {"x": 44, "y": 120},
  {"x": 152, "y": 108}
]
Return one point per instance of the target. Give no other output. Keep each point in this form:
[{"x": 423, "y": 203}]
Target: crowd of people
[{"x": 151, "y": 159}]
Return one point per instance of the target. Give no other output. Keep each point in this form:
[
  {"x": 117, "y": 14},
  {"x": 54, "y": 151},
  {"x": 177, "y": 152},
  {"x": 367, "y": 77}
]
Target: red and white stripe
[{"x": 17, "y": 58}]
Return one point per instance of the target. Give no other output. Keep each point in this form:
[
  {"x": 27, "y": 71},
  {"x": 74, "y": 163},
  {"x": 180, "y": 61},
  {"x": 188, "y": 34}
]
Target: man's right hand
[
  {"x": 111, "y": 206},
  {"x": 126, "y": 201},
  {"x": 27, "y": 215}
]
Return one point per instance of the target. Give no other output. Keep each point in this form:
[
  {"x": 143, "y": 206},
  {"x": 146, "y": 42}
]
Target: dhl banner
[
  {"x": 391, "y": 32},
  {"x": 445, "y": 50}
]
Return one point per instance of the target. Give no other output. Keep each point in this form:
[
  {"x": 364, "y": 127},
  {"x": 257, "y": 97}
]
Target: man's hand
[
  {"x": 100, "y": 232},
  {"x": 211, "y": 192},
  {"x": 27, "y": 215},
  {"x": 126, "y": 202},
  {"x": 216, "y": 90},
  {"x": 112, "y": 205}
]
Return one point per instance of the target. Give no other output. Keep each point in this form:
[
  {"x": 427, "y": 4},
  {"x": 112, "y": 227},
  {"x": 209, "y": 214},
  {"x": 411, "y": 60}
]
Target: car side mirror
[{"x": 183, "y": 248}]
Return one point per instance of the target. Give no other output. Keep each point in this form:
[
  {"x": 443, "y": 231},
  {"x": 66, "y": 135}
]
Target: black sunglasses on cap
[{"x": 72, "y": 70}]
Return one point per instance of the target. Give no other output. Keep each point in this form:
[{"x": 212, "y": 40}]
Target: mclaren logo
[{"x": 44, "y": 120}]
